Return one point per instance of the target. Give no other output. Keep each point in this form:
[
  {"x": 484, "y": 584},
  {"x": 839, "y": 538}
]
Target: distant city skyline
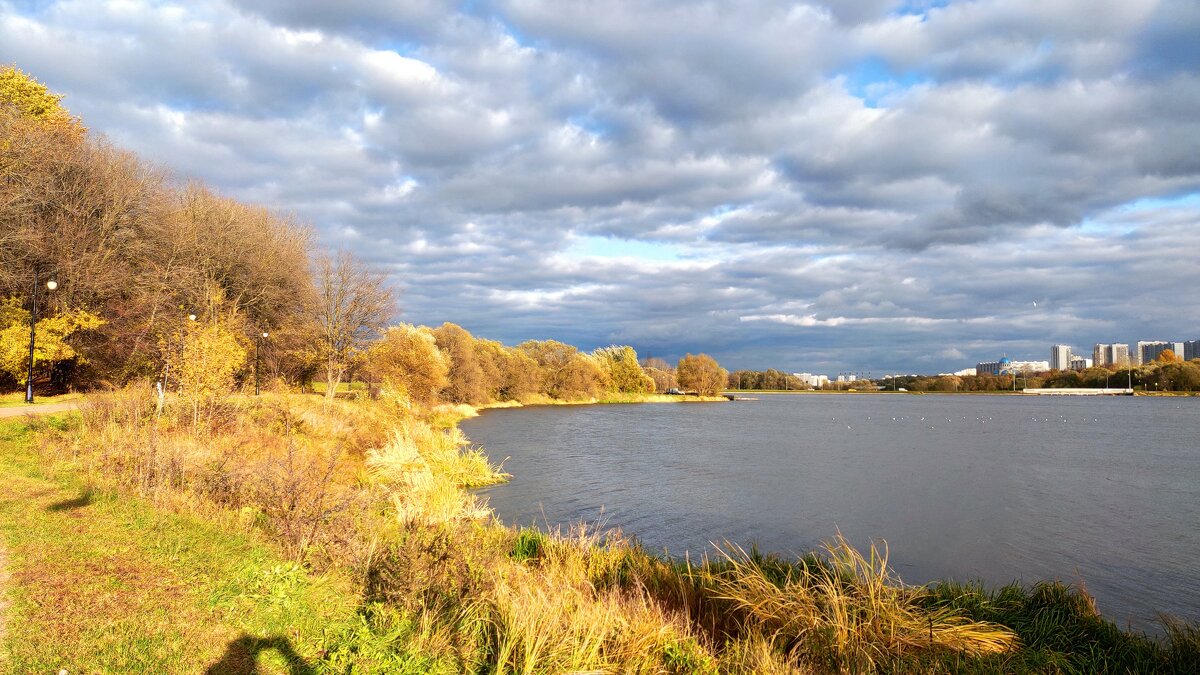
[{"x": 873, "y": 185}]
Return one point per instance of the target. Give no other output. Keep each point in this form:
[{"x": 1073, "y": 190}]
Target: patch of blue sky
[
  {"x": 31, "y": 7},
  {"x": 1122, "y": 219},
  {"x": 919, "y": 7},
  {"x": 872, "y": 80},
  {"x": 1189, "y": 200},
  {"x": 587, "y": 246},
  {"x": 591, "y": 124},
  {"x": 405, "y": 48}
]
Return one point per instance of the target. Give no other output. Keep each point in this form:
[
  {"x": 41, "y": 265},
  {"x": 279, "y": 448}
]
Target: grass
[
  {"x": 321, "y": 386},
  {"x": 1062, "y": 632},
  {"x": 339, "y": 536},
  {"x": 17, "y": 399},
  {"x": 844, "y": 610},
  {"x": 108, "y": 583}
]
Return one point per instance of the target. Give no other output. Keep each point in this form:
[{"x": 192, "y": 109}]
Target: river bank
[{"x": 386, "y": 525}]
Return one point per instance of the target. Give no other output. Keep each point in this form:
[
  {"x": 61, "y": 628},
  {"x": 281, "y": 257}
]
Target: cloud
[{"x": 858, "y": 185}]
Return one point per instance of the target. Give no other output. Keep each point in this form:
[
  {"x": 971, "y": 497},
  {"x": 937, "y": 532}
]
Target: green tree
[{"x": 702, "y": 374}]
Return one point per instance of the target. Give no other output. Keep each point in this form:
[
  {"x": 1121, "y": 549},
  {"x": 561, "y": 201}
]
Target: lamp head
[
  {"x": 191, "y": 317},
  {"x": 266, "y": 334},
  {"x": 52, "y": 284}
]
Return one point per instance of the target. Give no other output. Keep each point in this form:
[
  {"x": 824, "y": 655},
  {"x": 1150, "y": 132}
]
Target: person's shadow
[{"x": 241, "y": 656}]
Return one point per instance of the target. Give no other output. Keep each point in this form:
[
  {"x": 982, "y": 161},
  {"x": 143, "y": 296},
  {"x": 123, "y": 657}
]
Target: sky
[{"x": 861, "y": 186}]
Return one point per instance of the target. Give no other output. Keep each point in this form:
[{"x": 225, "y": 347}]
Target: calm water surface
[{"x": 1100, "y": 490}]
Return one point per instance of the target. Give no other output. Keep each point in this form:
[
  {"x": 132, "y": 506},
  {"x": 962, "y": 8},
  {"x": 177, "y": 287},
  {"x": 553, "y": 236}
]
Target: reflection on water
[{"x": 1100, "y": 490}]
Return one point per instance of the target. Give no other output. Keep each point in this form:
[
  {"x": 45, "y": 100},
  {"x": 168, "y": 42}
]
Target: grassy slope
[
  {"x": 101, "y": 584},
  {"x": 17, "y": 399},
  {"x": 107, "y": 584}
]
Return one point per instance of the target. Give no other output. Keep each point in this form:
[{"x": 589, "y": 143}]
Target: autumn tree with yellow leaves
[{"x": 52, "y": 333}]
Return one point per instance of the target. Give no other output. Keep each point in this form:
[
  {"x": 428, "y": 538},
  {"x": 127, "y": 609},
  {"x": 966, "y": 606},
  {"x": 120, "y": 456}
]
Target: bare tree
[{"x": 353, "y": 305}]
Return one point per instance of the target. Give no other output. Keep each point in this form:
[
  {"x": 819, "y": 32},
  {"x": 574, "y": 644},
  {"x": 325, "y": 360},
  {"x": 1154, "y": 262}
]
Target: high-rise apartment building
[
  {"x": 1148, "y": 350},
  {"x": 1115, "y": 355},
  {"x": 1191, "y": 350},
  {"x": 1142, "y": 348},
  {"x": 1177, "y": 348},
  {"x": 1060, "y": 357},
  {"x": 1118, "y": 355}
]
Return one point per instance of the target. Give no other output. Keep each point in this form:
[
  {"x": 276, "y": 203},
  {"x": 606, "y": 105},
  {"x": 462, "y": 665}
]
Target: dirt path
[{"x": 36, "y": 409}]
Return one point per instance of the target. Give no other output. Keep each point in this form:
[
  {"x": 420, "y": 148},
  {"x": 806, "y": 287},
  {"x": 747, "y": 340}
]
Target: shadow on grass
[
  {"x": 70, "y": 504},
  {"x": 241, "y": 656}
]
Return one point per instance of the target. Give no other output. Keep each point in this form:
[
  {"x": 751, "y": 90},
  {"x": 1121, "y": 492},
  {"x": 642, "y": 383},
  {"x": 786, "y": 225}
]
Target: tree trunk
[{"x": 333, "y": 377}]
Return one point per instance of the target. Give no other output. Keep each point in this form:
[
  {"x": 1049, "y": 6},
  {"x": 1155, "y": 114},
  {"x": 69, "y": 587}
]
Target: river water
[{"x": 1099, "y": 490}]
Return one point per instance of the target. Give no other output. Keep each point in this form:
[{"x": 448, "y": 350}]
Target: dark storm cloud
[{"x": 855, "y": 186}]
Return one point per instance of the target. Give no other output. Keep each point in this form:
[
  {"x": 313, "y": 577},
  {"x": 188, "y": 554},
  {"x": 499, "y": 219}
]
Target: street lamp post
[
  {"x": 257, "y": 349},
  {"x": 51, "y": 285}
]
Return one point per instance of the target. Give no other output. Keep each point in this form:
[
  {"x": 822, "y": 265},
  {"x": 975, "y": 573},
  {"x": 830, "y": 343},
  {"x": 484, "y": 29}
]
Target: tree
[
  {"x": 702, "y": 374},
  {"x": 509, "y": 374},
  {"x": 133, "y": 247},
  {"x": 661, "y": 372},
  {"x": 565, "y": 373},
  {"x": 32, "y": 99},
  {"x": 211, "y": 353},
  {"x": 466, "y": 382},
  {"x": 52, "y": 332},
  {"x": 410, "y": 363},
  {"x": 1167, "y": 356},
  {"x": 622, "y": 371},
  {"x": 353, "y": 305}
]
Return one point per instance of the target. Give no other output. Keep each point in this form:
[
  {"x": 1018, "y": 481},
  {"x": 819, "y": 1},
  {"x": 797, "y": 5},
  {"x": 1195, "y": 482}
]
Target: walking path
[{"x": 37, "y": 409}]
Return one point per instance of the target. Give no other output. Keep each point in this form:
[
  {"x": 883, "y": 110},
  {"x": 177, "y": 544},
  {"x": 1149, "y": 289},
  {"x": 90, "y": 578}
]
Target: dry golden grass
[
  {"x": 563, "y": 612},
  {"x": 847, "y": 606},
  {"x": 426, "y": 470},
  {"x": 548, "y": 620}
]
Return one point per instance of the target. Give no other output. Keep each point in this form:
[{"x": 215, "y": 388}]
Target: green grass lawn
[{"x": 108, "y": 584}]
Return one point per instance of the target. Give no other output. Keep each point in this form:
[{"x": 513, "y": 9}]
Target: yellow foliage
[
  {"x": 701, "y": 373},
  {"x": 623, "y": 374},
  {"x": 32, "y": 99},
  {"x": 210, "y": 356},
  {"x": 410, "y": 363},
  {"x": 208, "y": 351},
  {"x": 51, "y": 338}
]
